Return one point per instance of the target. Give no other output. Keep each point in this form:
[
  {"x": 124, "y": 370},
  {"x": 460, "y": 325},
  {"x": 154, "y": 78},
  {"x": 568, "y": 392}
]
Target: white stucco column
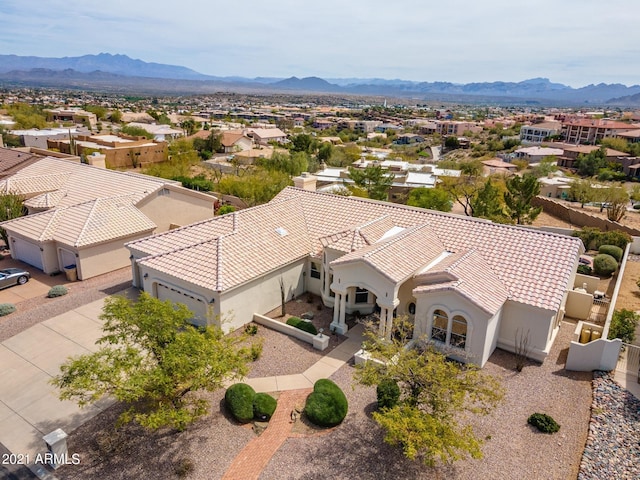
[
  {"x": 383, "y": 321},
  {"x": 339, "y": 310},
  {"x": 389, "y": 323}
]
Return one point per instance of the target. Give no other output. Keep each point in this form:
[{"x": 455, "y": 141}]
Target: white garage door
[
  {"x": 196, "y": 305},
  {"x": 28, "y": 252}
]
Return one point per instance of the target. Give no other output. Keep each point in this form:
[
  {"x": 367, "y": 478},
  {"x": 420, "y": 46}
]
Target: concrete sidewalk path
[{"x": 29, "y": 404}]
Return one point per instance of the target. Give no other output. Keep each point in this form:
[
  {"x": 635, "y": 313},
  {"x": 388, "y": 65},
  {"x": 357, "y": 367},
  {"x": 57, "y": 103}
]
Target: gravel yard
[{"x": 355, "y": 449}]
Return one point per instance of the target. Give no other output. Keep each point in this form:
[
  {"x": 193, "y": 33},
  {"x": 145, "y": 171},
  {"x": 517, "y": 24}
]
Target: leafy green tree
[
  {"x": 437, "y": 398},
  {"x": 27, "y": 116},
  {"x": 206, "y": 147},
  {"x": 255, "y": 187},
  {"x": 623, "y": 325},
  {"x": 489, "y": 203},
  {"x": 152, "y": 359},
  {"x": 619, "y": 144},
  {"x": 182, "y": 157},
  {"x": 98, "y": 110},
  {"x": 373, "y": 180},
  {"x": 325, "y": 151},
  {"x": 452, "y": 143},
  {"x": 583, "y": 191},
  {"x": 520, "y": 192},
  {"x": 464, "y": 190},
  {"x": 189, "y": 126},
  {"x": 116, "y": 116},
  {"x": 431, "y": 198},
  {"x": 589, "y": 165},
  {"x": 616, "y": 198},
  {"x": 136, "y": 132},
  {"x": 304, "y": 143},
  {"x": 546, "y": 166},
  {"x": 11, "y": 206},
  {"x": 293, "y": 164}
]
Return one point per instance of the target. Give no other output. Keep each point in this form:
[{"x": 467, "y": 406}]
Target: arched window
[
  {"x": 440, "y": 326},
  {"x": 411, "y": 308},
  {"x": 458, "y": 332}
]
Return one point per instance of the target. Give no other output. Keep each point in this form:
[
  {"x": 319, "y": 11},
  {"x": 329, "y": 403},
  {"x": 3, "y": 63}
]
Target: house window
[
  {"x": 315, "y": 273},
  {"x": 331, "y": 292},
  {"x": 440, "y": 326},
  {"x": 362, "y": 295},
  {"x": 458, "y": 332},
  {"x": 411, "y": 308}
]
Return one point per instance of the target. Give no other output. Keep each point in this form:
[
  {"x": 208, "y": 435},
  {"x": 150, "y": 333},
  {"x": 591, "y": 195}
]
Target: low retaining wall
[{"x": 319, "y": 341}]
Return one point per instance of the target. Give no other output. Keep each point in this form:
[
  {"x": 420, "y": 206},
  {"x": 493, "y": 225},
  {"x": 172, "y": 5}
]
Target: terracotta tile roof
[
  {"x": 263, "y": 239},
  {"x": 471, "y": 276},
  {"x": 46, "y": 200},
  {"x": 11, "y": 160},
  {"x": 358, "y": 237},
  {"x": 80, "y": 181},
  {"x": 89, "y": 223},
  {"x": 391, "y": 257},
  {"x": 229, "y": 139},
  {"x": 534, "y": 266}
]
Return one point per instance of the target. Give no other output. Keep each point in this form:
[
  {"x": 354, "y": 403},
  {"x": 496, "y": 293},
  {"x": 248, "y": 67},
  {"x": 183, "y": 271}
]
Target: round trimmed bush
[
  {"x": 263, "y": 406},
  {"x": 614, "y": 251},
  {"x": 543, "y": 422},
  {"x": 388, "y": 393},
  {"x": 57, "y": 291},
  {"x": 604, "y": 265},
  {"x": 327, "y": 405},
  {"x": 239, "y": 400},
  {"x": 6, "y": 309}
]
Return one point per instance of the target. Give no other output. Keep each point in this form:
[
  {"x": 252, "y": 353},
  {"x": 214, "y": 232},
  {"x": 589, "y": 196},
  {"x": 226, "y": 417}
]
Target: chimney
[{"x": 305, "y": 181}]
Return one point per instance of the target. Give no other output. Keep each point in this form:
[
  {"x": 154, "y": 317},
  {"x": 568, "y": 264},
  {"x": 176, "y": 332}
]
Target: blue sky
[{"x": 576, "y": 42}]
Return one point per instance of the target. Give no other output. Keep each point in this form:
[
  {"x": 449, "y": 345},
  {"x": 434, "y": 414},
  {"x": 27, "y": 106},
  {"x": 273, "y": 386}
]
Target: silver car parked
[{"x": 13, "y": 276}]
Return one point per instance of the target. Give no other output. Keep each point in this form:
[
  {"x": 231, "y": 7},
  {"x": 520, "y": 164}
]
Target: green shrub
[
  {"x": 585, "y": 269},
  {"x": 302, "y": 325},
  {"x": 327, "y": 405},
  {"x": 388, "y": 393},
  {"x": 239, "y": 400},
  {"x": 250, "y": 329},
  {"x": 6, "y": 309},
  {"x": 593, "y": 238},
  {"x": 636, "y": 206},
  {"x": 613, "y": 250},
  {"x": 57, "y": 291},
  {"x": 255, "y": 351},
  {"x": 263, "y": 406},
  {"x": 623, "y": 325},
  {"x": 224, "y": 209},
  {"x": 543, "y": 422},
  {"x": 183, "y": 467},
  {"x": 604, "y": 265}
]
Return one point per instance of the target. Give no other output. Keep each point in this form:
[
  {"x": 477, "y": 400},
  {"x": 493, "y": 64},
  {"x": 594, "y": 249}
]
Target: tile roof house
[
  {"x": 468, "y": 284},
  {"x": 81, "y": 215}
]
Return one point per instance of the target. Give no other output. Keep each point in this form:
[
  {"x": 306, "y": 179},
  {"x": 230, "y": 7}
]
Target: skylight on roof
[
  {"x": 390, "y": 233},
  {"x": 282, "y": 232}
]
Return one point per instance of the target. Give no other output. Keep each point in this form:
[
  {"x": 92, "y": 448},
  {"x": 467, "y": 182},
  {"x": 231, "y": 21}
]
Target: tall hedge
[{"x": 613, "y": 250}]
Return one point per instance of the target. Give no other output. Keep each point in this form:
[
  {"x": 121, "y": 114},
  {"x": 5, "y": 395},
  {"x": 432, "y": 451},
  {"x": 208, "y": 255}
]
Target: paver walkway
[{"x": 256, "y": 454}]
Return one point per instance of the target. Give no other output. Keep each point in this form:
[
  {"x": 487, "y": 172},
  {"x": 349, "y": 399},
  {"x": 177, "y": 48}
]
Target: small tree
[
  {"x": 373, "y": 179},
  {"x": 11, "y": 206},
  {"x": 154, "y": 360},
  {"x": 623, "y": 325},
  {"x": 520, "y": 192},
  {"x": 431, "y": 198},
  {"x": 436, "y": 396}
]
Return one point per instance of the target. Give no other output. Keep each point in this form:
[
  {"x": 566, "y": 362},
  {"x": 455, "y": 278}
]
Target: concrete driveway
[
  {"x": 29, "y": 404},
  {"x": 37, "y": 286}
]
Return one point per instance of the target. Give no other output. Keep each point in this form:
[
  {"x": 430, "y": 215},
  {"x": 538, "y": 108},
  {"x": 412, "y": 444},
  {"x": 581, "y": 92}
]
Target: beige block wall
[
  {"x": 103, "y": 258},
  {"x": 518, "y": 318}
]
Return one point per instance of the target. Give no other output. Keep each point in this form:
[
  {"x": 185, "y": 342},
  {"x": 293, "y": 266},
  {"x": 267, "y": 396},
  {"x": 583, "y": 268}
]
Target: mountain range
[{"x": 120, "y": 73}]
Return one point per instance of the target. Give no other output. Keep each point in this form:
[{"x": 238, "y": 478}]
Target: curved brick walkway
[{"x": 256, "y": 454}]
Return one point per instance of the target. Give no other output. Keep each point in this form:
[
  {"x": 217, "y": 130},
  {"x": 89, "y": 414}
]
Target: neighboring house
[
  {"x": 571, "y": 153},
  {"x": 631, "y": 136},
  {"x": 539, "y": 132},
  {"x": 536, "y": 154},
  {"x": 120, "y": 151},
  {"x": 408, "y": 138},
  {"x": 263, "y": 136},
  {"x": 75, "y": 115},
  {"x": 497, "y": 166},
  {"x": 12, "y": 160},
  {"x": 38, "y": 138},
  {"x": 235, "y": 142},
  {"x": 467, "y": 284},
  {"x": 82, "y": 215},
  {"x": 160, "y": 132},
  {"x": 555, "y": 186}
]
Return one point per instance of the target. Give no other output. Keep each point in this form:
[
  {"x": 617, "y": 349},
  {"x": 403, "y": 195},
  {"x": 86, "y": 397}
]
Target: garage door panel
[
  {"x": 28, "y": 252},
  {"x": 196, "y": 305}
]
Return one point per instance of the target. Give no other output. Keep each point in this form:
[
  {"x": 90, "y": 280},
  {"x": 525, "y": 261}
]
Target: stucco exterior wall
[
  {"x": 578, "y": 305},
  {"x": 481, "y": 327},
  {"x": 174, "y": 207},
  {"x": 518, "y": 319},
  {"x": 103, "y": 258},
  {"x": 261, "y": 295}
]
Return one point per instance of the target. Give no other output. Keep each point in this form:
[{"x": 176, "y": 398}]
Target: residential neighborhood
[{"x": 291, "y": 239}]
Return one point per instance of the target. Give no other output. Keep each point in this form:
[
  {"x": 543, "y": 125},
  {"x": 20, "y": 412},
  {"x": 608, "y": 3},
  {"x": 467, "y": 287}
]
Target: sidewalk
[{"x": 29, "y": 404}]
